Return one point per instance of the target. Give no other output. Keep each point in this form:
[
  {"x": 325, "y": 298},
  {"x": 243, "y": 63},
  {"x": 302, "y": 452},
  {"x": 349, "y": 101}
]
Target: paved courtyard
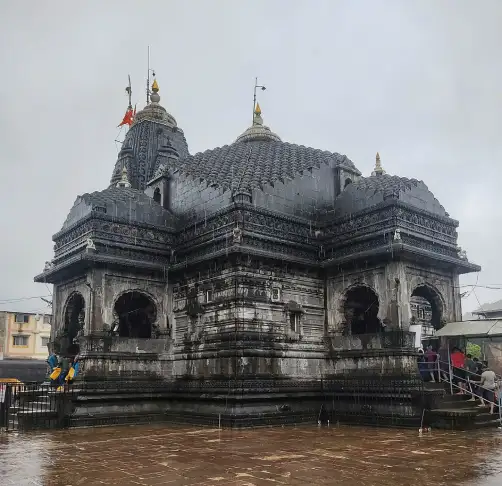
[{"x": 170, "y": 455}]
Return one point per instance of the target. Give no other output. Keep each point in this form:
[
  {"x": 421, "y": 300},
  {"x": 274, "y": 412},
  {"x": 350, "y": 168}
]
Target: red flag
[{"x": 128, "y": 117}]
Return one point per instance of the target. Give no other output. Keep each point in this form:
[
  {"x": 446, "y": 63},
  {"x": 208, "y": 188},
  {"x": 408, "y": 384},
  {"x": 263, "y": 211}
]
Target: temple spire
[
  {"x": 378, "y": 170},
  {"x": 124, "y": 179}
]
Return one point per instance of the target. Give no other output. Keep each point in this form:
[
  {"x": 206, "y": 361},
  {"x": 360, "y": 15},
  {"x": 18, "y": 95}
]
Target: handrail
[
  {"x": 452, "y": 375},
  {"x": 498, "y": 377}
]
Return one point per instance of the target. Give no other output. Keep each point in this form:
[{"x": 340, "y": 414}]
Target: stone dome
[
  {"x": 154, "y": 111},
  {"x": 258, "y": 131}
]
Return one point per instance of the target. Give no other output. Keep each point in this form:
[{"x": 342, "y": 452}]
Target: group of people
[
  {"x": 62, "y": 370},
  {"x": 469, "y": 375}
]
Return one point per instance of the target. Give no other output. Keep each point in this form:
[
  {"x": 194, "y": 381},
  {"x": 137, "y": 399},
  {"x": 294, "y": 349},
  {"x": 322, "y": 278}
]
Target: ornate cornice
[
  {"x": 98, "y": 214},
  {"x": 335, "y": 221}
]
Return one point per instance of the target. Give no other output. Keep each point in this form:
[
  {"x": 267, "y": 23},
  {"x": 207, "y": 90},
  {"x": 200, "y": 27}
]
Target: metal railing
[
  {"x": 26, "y": 406},
  {"x": 455, "y": 381}
]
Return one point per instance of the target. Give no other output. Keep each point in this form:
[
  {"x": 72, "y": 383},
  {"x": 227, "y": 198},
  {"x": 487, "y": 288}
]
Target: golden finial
[
  {"x": 155, "y": 86},
  {"x": 257, "y": 119},
  {"x": 378, "y": 170}
]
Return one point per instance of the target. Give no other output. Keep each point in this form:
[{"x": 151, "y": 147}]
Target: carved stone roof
[
  {"x": 153, "y": 132},
  {"x": 251, "y": 165},
  {"x": 144, "y": 144},
  {"x": 122, "y": 203},
  {"x": 370, "y": 191}
]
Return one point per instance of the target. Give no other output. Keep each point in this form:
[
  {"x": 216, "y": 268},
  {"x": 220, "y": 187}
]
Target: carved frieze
[
  {"x": 131, "y": 254},
  {"x": 428, "y": 246},
  {"x": 380, "y": 219}
]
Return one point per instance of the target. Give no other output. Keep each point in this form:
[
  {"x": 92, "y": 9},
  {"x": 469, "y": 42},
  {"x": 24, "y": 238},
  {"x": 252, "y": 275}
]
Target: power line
[{"x": 21, "y": 299}]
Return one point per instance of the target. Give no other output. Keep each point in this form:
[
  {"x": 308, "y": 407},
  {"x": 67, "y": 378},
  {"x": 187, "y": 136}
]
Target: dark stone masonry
[{"x": 257, "y": 283}]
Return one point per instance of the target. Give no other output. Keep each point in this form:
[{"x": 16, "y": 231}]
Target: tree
[{"x": 474, "y": 350}]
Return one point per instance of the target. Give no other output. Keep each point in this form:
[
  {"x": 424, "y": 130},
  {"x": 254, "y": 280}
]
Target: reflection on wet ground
[{"x": 171, "y": 455}]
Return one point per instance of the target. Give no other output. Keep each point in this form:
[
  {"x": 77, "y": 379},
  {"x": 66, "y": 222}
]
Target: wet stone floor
[{"x": 307, "y": 455}]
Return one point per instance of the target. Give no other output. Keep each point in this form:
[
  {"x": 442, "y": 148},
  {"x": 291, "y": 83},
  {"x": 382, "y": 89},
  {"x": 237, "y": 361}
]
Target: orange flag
[{"x": 128, "y": 117}]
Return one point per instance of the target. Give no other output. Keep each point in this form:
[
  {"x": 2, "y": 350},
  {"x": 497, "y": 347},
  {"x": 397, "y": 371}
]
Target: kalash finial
[
  {"x": 257, "y": 119},
  {"x": 154, "y": 97},
  {"x": 378, "y": 170},
  {"x": 124, "y": 179}
]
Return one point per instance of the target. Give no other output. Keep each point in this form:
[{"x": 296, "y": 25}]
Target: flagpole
[
  {"x": 148, "y": 78},
  {"x": 148, "y": 91},
  {"x": 256, "y": 85}
]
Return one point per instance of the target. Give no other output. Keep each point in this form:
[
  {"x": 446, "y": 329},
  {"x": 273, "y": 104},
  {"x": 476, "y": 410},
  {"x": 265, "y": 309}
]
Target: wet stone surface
[{"x": 171, "y": 455}]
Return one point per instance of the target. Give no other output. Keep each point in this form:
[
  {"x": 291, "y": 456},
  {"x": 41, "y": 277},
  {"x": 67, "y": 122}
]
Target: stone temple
[{"x": 258, "y": 282}]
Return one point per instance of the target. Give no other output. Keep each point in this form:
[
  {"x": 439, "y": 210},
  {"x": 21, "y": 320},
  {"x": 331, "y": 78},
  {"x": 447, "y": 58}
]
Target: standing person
[
  {"x": 488, "y": 384},
  {"x": 470, "y": 368},
  {"x": 422, "y": 364},
  {"x": 458, "y": 364},
  {"x": 431, "y": 357},
  {"x": 476, "y": 379},
  {"x": 444, "y": 357}
]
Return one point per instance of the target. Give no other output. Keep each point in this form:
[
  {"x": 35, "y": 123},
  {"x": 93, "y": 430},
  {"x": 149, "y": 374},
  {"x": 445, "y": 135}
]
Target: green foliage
[{"x": 474, "y": 350}]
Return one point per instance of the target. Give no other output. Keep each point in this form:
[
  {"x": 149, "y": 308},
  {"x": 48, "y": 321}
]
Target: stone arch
[
  {"x": 73, "y": 320},
  {"x": 347, "y": 182},
  {"x": 360, "y": 307},
  {"x": 425, "y": 292},
  {"x": 156, "y": 195},
  {"x": 135, "y": 314}
]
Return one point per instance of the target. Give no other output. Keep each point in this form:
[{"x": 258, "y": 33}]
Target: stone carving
[
  {"x": 90, "y": 245},
  {"x": 397, "y": 235},
  {"x": 462, "y": 254},
  {"x": 48, "y": 265},
  {"x": 237, "y": 236}
]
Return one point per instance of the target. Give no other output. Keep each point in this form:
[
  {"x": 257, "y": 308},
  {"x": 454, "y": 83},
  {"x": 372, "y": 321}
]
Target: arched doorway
[
  {"x": 74, "y": 322},
  {"x": 361, "y": 310},
  {"x": 426, "y": 309},
  {"x": 135, "y": 314}
]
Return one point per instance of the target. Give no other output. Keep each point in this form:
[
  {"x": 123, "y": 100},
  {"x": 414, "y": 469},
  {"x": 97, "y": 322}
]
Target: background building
[
  {"x": 24, "y": 335},
  {"x": 489, "y": 311}
]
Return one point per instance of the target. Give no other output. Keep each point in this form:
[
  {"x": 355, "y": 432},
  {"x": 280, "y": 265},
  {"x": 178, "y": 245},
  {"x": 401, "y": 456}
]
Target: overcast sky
[{"x": 420, "y": 81}]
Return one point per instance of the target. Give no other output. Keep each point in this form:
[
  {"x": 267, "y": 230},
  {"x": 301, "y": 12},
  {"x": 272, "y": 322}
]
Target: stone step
[
  {"x": 457, "y": 404},
  {"x": 492, "y": 422}
]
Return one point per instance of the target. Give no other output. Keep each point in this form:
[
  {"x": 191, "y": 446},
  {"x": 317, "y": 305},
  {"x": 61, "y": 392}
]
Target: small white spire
[
  {"x": 378, "y": 170},
  {"x": 124, "y": 180}
]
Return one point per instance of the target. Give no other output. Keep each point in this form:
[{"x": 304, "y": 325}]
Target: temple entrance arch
[
  {"x": 74, "y": 321},
  {"x": 427, "y": 308},
  {"x": 360, "y": 308},
  {"x": 135, "y": 314}
]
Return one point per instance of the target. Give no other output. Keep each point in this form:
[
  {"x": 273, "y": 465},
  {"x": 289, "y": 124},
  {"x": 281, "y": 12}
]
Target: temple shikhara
[{"x": 258, "y": 282}]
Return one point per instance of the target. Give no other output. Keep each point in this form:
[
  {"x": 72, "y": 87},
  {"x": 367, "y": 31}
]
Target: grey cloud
[{"x": 419, "y": 81}]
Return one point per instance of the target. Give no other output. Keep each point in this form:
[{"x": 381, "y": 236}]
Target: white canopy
[{"x": 479, "y": 328}]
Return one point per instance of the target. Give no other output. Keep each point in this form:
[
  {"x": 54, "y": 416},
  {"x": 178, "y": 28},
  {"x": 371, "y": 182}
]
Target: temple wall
[
  {"x": 257, "y": 298},
  {"x": 191, "y": 199},
  {"x": 61, "y": 294},
  {"x": 445, "y": 284},
  {"x": 394, "y": 284},
  {"x": 237, "y": 319},
  {"x": 110, "y": 286}
]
